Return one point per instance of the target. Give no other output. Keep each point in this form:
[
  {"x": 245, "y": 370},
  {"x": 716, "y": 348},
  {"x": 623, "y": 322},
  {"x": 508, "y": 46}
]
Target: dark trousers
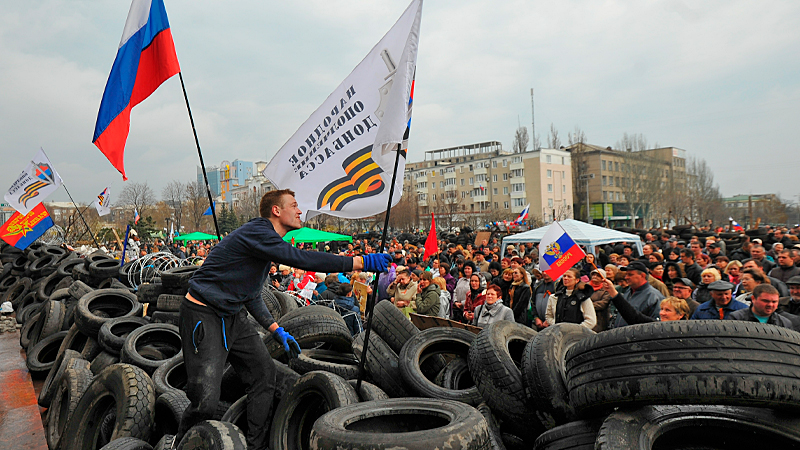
[{"x": 205, "y": 351}]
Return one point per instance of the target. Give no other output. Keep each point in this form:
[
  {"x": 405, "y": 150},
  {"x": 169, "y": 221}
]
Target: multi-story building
[
  {"x": 620, "y": 184},
  {"x": 484, "y": 180},
  {"x": 227, "y": 176},
  {"x": 214, "y": 179}
]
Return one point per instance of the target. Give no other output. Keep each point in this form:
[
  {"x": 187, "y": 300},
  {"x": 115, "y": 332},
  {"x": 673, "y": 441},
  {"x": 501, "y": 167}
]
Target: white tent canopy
[{"x": 582, "y": 233}]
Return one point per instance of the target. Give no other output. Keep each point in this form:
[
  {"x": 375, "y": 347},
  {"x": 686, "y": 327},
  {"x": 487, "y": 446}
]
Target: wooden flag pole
[
  {"x": 81, "y": 215},
  {"x": 200, "y": 153},
  {"x": 371, "y": 298}
]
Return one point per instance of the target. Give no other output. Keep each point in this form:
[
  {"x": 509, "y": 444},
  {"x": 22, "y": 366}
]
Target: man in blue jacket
[
  {"x": 721, "y": 304},
  {"x": 213, "y": 321}
]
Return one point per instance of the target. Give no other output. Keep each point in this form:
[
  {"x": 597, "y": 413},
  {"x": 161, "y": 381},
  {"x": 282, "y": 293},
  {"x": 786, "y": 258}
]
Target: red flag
[{"x": 431, "y": 245}]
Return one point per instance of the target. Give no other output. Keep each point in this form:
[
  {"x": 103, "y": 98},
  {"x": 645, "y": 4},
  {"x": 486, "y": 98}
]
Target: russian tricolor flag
[
  {"x": 558, "y": 252},
  {"x": 145, "y": 59},
  {"x": 523, "y": 215}
]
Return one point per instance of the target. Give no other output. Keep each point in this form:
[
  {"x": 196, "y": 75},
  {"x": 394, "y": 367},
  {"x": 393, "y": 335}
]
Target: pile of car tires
[{"x": 115, "y": 379}]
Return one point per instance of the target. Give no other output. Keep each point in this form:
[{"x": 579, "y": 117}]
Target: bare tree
[
  {"x": 632, "y": 143},
  {"x": 247, "y": 206},
  {"x": 552, "y": 139},
  {"x": 139, "y": 196},
  {"x": 521, "y": 140},
  {"x": 173, "y": 195},
  {"x": 195, "y": 203},
  {"x": 704, "y": 198},
  {"x": 580, "y": 167},
  {"x": 576, "y": 136}
]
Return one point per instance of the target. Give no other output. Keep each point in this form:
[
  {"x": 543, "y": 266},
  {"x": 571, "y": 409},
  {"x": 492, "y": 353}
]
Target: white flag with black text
[{"x": 36, "y": 182}]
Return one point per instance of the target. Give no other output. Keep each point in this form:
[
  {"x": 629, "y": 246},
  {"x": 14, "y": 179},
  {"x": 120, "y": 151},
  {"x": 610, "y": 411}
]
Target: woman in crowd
[
  {"x": 492, "y": 310},
  {"x": 444, "y": 298},
  {"x": 520, "y": 294},
  {"x": 572, "y": 302},
  {"x": 600, "y": 299},
  {"x": 475, "y": 297},
  {"x": 672, "y": 271},
  {"x": 403, "y": 291},
  {"x": 588, "y": 265},
  {"x": 444, "y": 272},
  {"x": 461, "y": 290},
  {"x": 707, "y": 276},
  {"x": 750, "y": 279},
  {"x": 734, "y": 271}
]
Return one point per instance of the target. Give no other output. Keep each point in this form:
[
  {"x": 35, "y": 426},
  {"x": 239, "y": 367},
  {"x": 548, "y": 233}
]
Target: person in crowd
[
  {"x": 519, "y": 294},
  {"x": 721, "y": 264},
  {"x": 495, "y": 270},
  {"x": 721, "y": 304},
  {"x": 690, "y": 267},
  {"x": 708, "y": 276},
  {"x": 670, "y": 308},
  {"x": 655, "y": 282},
  {"x": 539, "y": 298},
  {"x": 403, "y": 291},
  {"x": 642, "y": 296},
  {"x": 428, "y": 294},
  {"x": 505, "y": 284},
  {"x": 750, "y": 279},
  {"x": 600, "y": 299},
  {"x": 480, "y": 262},
  {"x": 492, "y": 310},
  {"x": 572, "y": 302},
  {"x": 758, "y": 253},
  {"x": 763, "y": 308},
  {"x": 611, "y": 271},
  {"x": 461, "y": 290},
  {"x": 444, "y": 298},
  {"x": 331, "y": 290},
  {"x": 683, "y": 289},
  {"x": 758, "y": 266},
  {"x": 475, "y": 297},
  {"x": 791, "y": 303},
  {"x": 444, "y": 272},
  {"x": 734, "y": 271},
  {"x": 588, "y": 265},
  {"x": 348, "y": 308},
  {"x": 786, "y": 268}
]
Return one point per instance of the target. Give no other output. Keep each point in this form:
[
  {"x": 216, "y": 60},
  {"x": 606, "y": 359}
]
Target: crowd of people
[{"x": 613, "y": 286}]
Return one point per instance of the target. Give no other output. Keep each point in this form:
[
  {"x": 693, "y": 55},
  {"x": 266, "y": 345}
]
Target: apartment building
[{"x": 483, "y": 179}]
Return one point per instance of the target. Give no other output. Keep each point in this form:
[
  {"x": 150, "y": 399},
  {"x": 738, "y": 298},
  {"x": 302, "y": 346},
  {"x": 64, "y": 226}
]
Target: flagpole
[
  {"x": 371, "y": 299},
  {"x": 200, "y": 153},
  {"x": 81, "y": 215}
]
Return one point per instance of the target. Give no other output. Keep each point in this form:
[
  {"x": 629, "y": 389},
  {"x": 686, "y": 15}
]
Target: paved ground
[{"x": 20, "y": 415}]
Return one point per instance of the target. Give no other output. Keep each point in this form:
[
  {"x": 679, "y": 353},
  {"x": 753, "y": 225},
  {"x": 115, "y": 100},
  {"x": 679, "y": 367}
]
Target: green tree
[{"x": 228, "y": 221}]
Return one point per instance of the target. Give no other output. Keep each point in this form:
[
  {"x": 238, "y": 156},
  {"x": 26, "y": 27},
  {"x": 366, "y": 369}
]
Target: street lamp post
[{"x": 586, "y": 177}]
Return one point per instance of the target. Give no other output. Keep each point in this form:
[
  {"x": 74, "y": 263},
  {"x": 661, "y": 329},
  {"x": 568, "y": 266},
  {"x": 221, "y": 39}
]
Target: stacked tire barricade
[{"x": 110, "y": 354}]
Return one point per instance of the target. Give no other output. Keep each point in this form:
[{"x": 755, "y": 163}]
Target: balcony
[
  {"x": 422, "y": 203},
  {"x": 450, "y": 187},
  {"x": 481, "y": 198},
  {"x": 515, "y": 166},
  {"x": 518, "y": 194},
  {"x": 481, "y": 171}
]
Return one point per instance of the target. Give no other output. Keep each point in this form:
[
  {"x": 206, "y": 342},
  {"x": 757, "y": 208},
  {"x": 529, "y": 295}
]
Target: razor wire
[
  {"x": 148, "y": 267},
  {"x": 53, "y": 236}
]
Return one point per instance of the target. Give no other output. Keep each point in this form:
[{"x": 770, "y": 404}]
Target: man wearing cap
[
  {"x": 763, "y": 309},
  {"x": 645, "y": 298},
  {"x": 214, "y": 326},
  {"x": 721, "y": 304},
  {"x": 682, "y": 288},
  {"x": 791, "y": 303},
  {"x": 480, "y": 262}
]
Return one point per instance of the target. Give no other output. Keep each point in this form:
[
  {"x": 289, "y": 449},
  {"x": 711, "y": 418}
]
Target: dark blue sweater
[{"x": 233, "y": 273}]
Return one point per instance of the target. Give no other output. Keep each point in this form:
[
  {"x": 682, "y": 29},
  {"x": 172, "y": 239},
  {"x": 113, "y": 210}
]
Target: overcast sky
[{"x": 720, "y": 79}]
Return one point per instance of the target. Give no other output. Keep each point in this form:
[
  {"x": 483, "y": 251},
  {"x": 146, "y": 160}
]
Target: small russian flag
[
  {"x": 523, "y": 215},
  {"x": 136, "y": 217},
  {"x": 558, "y": 252}
]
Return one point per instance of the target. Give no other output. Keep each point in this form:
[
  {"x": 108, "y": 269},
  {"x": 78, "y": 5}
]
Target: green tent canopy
[
  {"x": 196, "y": 236},
  {"x": 311, "y": 235}
]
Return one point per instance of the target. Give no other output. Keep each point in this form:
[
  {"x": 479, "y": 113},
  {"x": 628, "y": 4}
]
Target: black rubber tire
[
  {"x": 42, "y": 356},
  {"x": 68, "y": 393},
  {"x": 65, "y": 266},
  {"x": 167, "y": 318},
  {"x": 343, "y": 364},
  {"x": 26, "y": 333},
  {"x": 213, "y": 435},
  {"x": 69, "y": 316},
  {"x": 122, "y": 388},
  {"x": 168, "y": 338},
  {"x": 698, "y": 427},
  {"x": 91, "y": 349},
  {"x": 455, "y": 375},
  {"x": 149, "y": 292},
  {"x": 382, "y": 365},
  {"x": 437, "y": 341},
  {"x": 578, "y": 435},
  {"x": 411, "y": 424},
  {"x": 29, "y": 300},
  {"x": 314, "y": 394},
  {"x": 103, "y": 268},
  {"x": 170, "y": 376},
  {"x": 368, "y": 392},
  {"x": 237, "y": 414},
  {"x": 169, "y": 411},
  {"x": 113, "y": 333},
  {"x": 48, "y": 286},
  {"x": 63, "y": 362},
  {"x": 687, "y": 362},
  {"x": 112, "y": 302},
  {"x": 270, "y": 301},
  {"x": 165, "y": 443},
  {"x": 78, "y": 289},
  {"x": 127, "y": 443},
  {"x": 392, "y": 326},
  {"x": 97, "y": 255},
  {"x": 178, "y": 277},
  {"x": 169, "y": 302},
  {"x": 80, "y": 273},
  {"x": 103, "y": 360},
  {"x": 494, "y": 360},
  {"x": 8, "y": 281},
  {"x": 314, "y": 327},
  {"x": 495, "y": 437},
  {"x": 64, "y": 283},
  {"x": 287, "y": 302},
  {"x": 43, "y": 266},
  {"x": 75, "y": 340},
  {"x": 52, "y": 320},
  {"x": 16, "y": 292},
  {"x": 312, "y": 309},
  {"x": 61, "y": 295},
  {"x": 285, "y": 378},
  {"x": 543, "y": 370}
]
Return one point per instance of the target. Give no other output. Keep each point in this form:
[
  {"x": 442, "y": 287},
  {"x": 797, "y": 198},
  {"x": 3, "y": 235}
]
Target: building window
[
  {"x": 495, "y": 206},
  {"x": 549, "y": 173},
  {"x": 519, "y": 202},
  {"x": 422, "y": 197},
  {"x": 605, "y": 181},
  {"x": 517, "y": 159},
  {"x": 441, "y": 184},
  {"x": 433, "y": 173},
  {"x": 518, "y": 173},
  {"x": 616, "y": 166},
  {"x": 563, "y": 174},
  {"x": 505, "y": 205},
  {"x": 494, "y": 166},
  {"x": 494, "y": 178},
  {"x": 471, "y": 181},
  {"x": 549, "y": 188},
  {"x": 463, "y": 194},
  {"x": 505, "y": 190},
  {"x": 520, "y": 187},
  {"x": 434, "y": 197},
  {"x": 617, "y": 178},
  {"x": 563, "y": 188},
  {"x": 463, "y": 181},
  {"x": 563, "y": 161},
  {"x": 505, "y": 177},
  {"x": 610, "y": 181},
  {"x": 549, "y": 202},
  {"x": 505, "y": 163},
  {"x": 605, "y": 196},
  {"x": 470, "y": 168},
  {"x": 494, "y": 191},
  {"x": 617, "y": 195},
  {"x": 603, "y": 164}
]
